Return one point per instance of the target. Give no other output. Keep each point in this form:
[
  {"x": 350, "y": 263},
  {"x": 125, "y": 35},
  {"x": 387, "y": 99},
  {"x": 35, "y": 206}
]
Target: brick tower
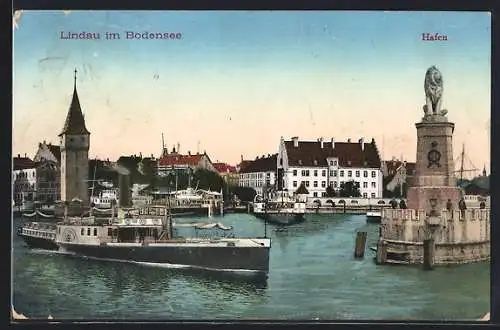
[{"x": 75, "y": 143}]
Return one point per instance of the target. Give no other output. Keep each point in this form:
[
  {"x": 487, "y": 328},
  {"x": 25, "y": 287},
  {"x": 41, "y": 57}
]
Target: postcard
[{"x": 251, "y": 165}]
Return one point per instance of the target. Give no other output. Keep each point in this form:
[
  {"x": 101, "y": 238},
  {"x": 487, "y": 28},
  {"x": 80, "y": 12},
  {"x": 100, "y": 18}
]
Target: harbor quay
[{"x": 459, "y": 236}]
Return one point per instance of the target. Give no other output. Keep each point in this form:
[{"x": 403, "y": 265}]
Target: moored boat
[
  {"x": 282, "y": 209},
  {"x": 374, "y": 216}
]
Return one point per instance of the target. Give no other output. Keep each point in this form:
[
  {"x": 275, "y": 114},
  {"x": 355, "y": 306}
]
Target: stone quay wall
[{"x": 461, "y": 237}]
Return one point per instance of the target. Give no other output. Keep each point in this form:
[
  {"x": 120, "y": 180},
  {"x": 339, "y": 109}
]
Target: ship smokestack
[{"x": 125, "y": 193}]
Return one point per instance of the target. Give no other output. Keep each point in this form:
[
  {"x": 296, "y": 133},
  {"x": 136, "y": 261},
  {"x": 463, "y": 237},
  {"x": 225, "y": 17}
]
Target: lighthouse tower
[{"x": 75, "y": 143}]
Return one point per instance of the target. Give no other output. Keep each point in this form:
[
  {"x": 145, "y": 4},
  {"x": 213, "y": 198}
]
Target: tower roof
[{"x": 75, "y": 122}]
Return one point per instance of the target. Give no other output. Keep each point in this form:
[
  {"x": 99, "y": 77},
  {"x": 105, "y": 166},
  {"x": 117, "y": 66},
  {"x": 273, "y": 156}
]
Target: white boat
[
  {"x": 105, "y": 199},
  {"x": 281, "y": 208},
  {"x": 373, "y": 216}
]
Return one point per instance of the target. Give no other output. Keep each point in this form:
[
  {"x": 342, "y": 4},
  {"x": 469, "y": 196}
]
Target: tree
[
  {"x": 245, "y": 194},
  {"x": 330, "y": 192},
  {"x": 350, "y": 189},
  {"x": 209, "y": 180},
  {"x": 399, "y": 191},
  {"x": 302, "y": 190}
]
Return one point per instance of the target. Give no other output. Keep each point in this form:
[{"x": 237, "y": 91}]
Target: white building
[
  {"x": 48, "y": 182},
  {"x": 318, "y": 164},
  {"x": 23, "y": 180},
  {"x": 259, "y": 174}
]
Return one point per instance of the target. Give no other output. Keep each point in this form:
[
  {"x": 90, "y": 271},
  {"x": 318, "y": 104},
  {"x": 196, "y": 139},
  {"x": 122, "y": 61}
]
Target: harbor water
[{"x": 313, "y": 275}]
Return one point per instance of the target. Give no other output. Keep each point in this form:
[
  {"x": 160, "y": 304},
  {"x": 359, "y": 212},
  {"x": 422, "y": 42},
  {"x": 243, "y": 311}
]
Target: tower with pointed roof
[{"x": 75, "y": 143}]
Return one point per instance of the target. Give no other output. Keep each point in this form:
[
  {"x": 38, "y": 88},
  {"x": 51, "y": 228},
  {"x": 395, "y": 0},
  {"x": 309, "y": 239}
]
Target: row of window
[
  {"x": 88, "y": 232},
  {"x": 365, "y": 195},
  {"x": 334, "y": 173},
  {"x": 23, "y": 175},
  {"x": 38, "y": 233},
  {"x": 332, "y": 183},
  {"x": 255, "y": 183},
  {"x": 259, "y": 175},
  {"x": 23, "y": 187}
]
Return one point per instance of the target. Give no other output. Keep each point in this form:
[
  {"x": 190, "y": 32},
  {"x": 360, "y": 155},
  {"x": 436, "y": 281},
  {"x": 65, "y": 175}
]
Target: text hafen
[{"x": 434, "y": 37}]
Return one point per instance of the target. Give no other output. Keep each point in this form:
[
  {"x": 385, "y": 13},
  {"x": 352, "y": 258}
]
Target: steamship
[
  {"x": 147, "y": 237},
  {"x": 280, "y": 209}
]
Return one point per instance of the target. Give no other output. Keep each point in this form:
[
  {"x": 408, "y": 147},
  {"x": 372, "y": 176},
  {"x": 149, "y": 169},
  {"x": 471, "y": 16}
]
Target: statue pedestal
[{"x": 434, "y": 173}]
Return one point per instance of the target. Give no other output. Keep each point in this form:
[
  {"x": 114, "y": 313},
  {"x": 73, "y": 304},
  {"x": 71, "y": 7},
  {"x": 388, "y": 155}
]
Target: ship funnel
[{"x": 125, "y": 192}]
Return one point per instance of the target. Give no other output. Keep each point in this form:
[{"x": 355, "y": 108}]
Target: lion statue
[{"x": 433, "y": 87}]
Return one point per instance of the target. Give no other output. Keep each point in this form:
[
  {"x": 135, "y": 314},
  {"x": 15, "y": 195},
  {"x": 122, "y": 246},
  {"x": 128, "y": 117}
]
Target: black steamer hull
[
  {"x": 373, "y": 219},
  {"x": 281, "y": 219},
  {"x": 39, "y": 242},
  {"x": 192, "y": 211},
  {"x": 215, "y": 258}
]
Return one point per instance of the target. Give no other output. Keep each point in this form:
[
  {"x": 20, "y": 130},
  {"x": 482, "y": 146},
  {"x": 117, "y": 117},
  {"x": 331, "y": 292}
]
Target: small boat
[
  {"x": 374, "y": 216},
  {"x": 281, "y": 209}
]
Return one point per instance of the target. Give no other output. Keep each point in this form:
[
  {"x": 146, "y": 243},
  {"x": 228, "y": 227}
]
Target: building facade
[
  {"x": 23, "y": 180},
  {"x": 398, "y": 177},
  {"x": 174, "y": 161},
  {"x": 75, "y": 144},
  {"x": 319, "y": 164},
  {"x": 48, "y": 177},
  {"x": 259, "y": 174},
  {"x": 228, "y": 173}
]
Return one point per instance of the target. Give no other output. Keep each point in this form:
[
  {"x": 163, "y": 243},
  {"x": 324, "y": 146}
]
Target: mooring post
[
  {"x": 428, "y": 254},
  {"x": 381, "y": 252},
  {"x": 359, "y": 249}
]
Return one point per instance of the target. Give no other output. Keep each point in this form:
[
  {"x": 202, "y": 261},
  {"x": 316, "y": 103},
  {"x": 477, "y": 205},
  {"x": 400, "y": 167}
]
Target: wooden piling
[
  {"x": 359, "y": 249},
  {"x": 381, "y": 252},
  {"x": 428, "y": 254}
]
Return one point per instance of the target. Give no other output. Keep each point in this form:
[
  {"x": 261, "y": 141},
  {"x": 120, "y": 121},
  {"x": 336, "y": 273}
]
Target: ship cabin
[
  {"x": 39, "y": 230},
  {"x": 144, "y": 226}
]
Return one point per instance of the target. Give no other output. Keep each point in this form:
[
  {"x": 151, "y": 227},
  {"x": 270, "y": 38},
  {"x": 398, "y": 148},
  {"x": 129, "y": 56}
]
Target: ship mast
[
  {"x": 93, "y": 179},
  {"x": 462, "y": 163},
  {"x": 162, "y": 146}
]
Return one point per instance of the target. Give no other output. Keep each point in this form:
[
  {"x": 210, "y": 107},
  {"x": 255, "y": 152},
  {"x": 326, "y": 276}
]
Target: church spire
[
  {"x": 75, "y": 122},
  {"x": 75, "y": 81}
]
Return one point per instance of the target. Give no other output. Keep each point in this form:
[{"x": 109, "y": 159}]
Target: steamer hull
[
  {"x": 282, "y": 219},
  {"x": 221, "y": 257},
  {"x": 39, "y": 243}
]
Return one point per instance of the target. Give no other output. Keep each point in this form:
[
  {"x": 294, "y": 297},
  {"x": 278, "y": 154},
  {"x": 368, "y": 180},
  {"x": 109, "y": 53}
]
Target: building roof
[
  {"x": 55, "y": 150},
  {"x": 224, "y": 168},
  {"x": 75, "y": 121},
  {"x": 393, "y": 167},
  {"x": 263, "y": 164},
  {"x": 177, "y": 159},
  {"x": 349, "y": 154},
  {"x": 23, "y": 163}
]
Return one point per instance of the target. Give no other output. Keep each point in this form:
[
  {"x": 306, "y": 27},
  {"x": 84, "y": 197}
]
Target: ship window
[
  {"x": 88, "y": 231},
  {"x": 83, "y": 231},
  {"x": 95, "y": 231}
]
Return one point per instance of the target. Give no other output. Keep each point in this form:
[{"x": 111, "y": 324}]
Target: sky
[{"x": 235, "y": 82}]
